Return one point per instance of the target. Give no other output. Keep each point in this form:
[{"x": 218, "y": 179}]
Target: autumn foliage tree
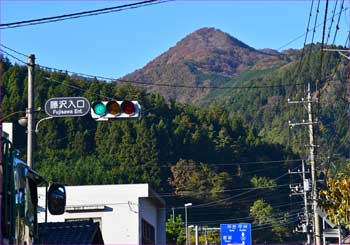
[{"x": 336, "y": 199}]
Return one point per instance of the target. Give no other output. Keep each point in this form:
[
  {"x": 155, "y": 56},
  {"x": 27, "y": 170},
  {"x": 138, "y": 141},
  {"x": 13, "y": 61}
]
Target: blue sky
[{"x": 115, "y": 44}]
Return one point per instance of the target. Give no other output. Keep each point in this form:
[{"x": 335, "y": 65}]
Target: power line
[
  {"x": 278, "y": 218},
  {"x": 337, "y": 27},
  {"x": 347, "y": 41},
  {"x": 302, "y": 35},
  {"x": 14, "y": 57},
  {"x": 315, "y": 26},
  {"x": 214, "y": 203},
  {"x": 306, "y": 35},
  {"x": 80, "y": 14},
  {"x": 247, "y": 163},
  {"x": 15, "y": 51},
  {"x": 331, "y": 24},
  {"x": 77, "y": 88},
  {"x": 167, "y": 84},
  {"x": 223, "y": 191}
]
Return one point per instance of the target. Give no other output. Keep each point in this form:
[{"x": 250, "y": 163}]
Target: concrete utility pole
[
  {"x": 187, "y": 237},
  {"x": 309, "y": 123},
  {"x": 303, "y": 190},
  {"x": 306, "y": 212},
  {"x": 196, "y": 234},
  {"x": 30, "y": 110},
  {"x": 316, "y": 223}
]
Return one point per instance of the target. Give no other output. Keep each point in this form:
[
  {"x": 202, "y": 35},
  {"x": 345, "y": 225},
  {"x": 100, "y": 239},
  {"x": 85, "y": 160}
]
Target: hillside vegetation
[{"x": 227, "y": 150}]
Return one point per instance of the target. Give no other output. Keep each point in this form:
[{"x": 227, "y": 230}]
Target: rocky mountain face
[{"x": 206, "y": 57}]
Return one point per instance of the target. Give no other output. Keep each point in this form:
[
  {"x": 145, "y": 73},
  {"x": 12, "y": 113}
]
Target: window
[{"x": 148, "y": 234}]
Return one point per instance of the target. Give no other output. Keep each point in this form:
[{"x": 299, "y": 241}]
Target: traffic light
[{"x": 107, "y": 110}]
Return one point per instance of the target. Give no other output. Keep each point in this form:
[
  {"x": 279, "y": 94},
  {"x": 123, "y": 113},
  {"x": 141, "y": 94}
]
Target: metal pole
[
  {"x": 30, "y": 130},
  {"x": 206, "y": 239},
  {"x": 30, "y": 110},
  {"x": 186, "y": 225},
  {"x": 173, "y": 214},
  {"x": 196, "y": 233},
  {"x": 316, "y": 222},
  {"x": 306, "y": 212},
  {"x": 1, "y": 149}
]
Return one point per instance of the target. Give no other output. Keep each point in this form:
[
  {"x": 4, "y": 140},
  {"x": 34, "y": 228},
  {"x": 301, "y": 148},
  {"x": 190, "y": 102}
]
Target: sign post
[
  {"x": 67, "y": 107},
  {"x": 234, "y": 234}
]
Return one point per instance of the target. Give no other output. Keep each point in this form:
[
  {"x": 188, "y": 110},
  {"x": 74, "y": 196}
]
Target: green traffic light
[{"x": 99, "y": 109}]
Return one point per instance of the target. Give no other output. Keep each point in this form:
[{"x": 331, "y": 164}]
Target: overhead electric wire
[
  {"x": 321, "y": 58},
  {"x": 337, "y": 27},
  {"x": 165, "y": 84},
  {"x": 332, "y": 21},
  {"x": 80, "y": 14},
  {"x": 323, "y": 35},
  {"x": 77, "y": 88},
  {"x": 240, "y": 219},
  {"x": 247, "y": 163},
  {"x": 214, "y": 203},
  {"x": 289, "y": 221},
  {"x": 305, "y": 40},
  {"x": 347, "y": 41},
  {"x": 224, "y": 191},
  {"x": 15, "y": 51},
  {"x": 315, "y": 24},
  {"x": 302, "y": 35},
  {"x": 280, "y": 216},
  {"x": 14, "y": 57}
]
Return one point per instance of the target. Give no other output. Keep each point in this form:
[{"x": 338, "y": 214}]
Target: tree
[
  {"x": 271, "y": 227},
  {"x": 198, "y": 180},
  {"x": 336, "y": 200},
  {"x": 175, "y": 234},
  {"x": 263, "y": 182}
]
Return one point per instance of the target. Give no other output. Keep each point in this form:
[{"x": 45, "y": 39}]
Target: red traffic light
[{"x": 128, "y": 107}]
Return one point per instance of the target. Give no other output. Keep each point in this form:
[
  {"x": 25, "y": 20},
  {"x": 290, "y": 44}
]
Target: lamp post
[{"x": 187, "y": 205}]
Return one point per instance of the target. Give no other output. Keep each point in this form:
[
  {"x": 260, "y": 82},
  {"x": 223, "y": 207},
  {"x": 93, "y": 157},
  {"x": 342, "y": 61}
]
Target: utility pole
[
  {"x": 316, "y": 223},
  {"x": 306, "y": 188},
  {"x": 30, "y": 110},
  {"x": 196, "y": 234},
  {"x": 309, "y": 123},
  {"x": 303, "y": 189}
]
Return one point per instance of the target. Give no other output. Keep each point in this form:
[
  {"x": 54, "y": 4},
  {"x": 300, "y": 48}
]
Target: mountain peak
[
  {"x": 202, "y": 45},
  {"x": 212, "y": 37},
  {"x": 207, "y": 56}
]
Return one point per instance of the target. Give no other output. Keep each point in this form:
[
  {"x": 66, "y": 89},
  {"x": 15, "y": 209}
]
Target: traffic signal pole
[
  {"x": 30, "y": 110},
  {"x": 30, "y": 129}
]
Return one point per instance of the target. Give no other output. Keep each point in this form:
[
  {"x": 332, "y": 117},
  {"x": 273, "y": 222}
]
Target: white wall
[
  {"x": 121, "y": 220},
  {"x": 8, "y": 129}
]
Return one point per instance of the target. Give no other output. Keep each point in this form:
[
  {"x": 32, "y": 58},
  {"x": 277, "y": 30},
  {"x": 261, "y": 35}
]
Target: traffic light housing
[{"x": 115, "y": 109}]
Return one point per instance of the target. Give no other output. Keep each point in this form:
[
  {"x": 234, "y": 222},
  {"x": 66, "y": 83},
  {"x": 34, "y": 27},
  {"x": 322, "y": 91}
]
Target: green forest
[{"x": 229, "y": 154}]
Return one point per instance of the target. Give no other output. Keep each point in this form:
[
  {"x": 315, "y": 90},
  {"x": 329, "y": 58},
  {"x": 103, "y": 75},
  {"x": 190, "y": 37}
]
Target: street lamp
[{"x": 187, "y": 205}]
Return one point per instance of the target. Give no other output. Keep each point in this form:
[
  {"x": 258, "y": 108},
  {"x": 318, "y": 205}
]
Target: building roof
[
  {"x": 74, "y": 232},
  {"x": 86, "y": 195}
]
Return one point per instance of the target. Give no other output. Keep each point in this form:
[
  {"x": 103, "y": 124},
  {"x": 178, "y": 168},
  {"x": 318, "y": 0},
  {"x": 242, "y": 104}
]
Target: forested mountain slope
[
  {"x": 186, "y": 153},
  {"x": 219, "y": 148},
  {"x": 206, "y": 57}
]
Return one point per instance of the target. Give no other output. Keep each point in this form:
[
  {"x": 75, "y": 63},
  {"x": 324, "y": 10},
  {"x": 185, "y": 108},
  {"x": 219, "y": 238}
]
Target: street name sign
[
  {"x": 234, "y": 234},
  {"x": 67, "y": 107}
]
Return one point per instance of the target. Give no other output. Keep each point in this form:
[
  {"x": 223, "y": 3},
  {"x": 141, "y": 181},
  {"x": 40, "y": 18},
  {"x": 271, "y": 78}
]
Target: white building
[{"x": 128, "y": 214}]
